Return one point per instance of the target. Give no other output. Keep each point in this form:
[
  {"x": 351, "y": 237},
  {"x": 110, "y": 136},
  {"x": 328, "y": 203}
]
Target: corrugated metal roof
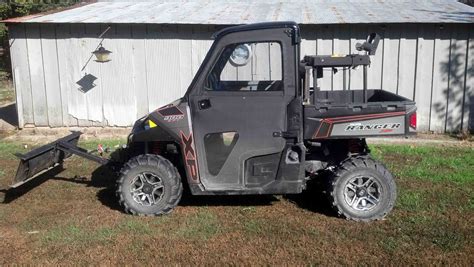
[{"x": 246, "y": 11}]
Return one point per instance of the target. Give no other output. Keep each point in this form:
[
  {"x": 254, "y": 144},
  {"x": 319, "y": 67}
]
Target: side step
[{"x": 44, "y": 158}]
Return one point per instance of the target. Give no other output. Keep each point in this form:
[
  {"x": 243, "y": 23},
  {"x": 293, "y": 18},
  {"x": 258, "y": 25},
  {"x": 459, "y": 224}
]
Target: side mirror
[
  {"x": 241, "y": 55},
  {"x": 370, "y": 45}
]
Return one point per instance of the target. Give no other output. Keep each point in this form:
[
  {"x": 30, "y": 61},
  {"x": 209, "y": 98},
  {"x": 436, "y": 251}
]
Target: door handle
[{"x": 204, "y": 104}]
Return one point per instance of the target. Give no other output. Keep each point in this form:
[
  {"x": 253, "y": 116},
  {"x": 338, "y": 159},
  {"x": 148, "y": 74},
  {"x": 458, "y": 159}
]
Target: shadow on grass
[
  {"x": 9, "y": 114},
  {"x": 102, "y": 177},
  {"x": 312, "y": 199},
  {"x": 227, "y": 200},
  {"x": 11, "y": 194}
]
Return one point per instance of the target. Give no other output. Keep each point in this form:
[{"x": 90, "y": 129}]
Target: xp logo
[
  {"x": 189, "y": 155},
  {"x": 383, "y": 127}
]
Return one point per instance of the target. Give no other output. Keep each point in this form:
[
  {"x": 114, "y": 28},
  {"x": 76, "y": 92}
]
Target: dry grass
[
  {"x": 7, "y": 93},
  {"x": 71, "y": 220}
]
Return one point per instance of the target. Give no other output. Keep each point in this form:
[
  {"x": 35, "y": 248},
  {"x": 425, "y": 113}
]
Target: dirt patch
[{"x": 45, "y": 134}]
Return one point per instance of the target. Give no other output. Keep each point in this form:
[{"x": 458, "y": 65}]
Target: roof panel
[{"x": 247, "y": 11}]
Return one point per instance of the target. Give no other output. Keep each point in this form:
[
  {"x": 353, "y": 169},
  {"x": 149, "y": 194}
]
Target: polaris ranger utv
[{"x": 268, "y": 133}]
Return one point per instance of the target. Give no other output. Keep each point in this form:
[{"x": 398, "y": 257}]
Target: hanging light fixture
[{"x": 102, "y": 54}]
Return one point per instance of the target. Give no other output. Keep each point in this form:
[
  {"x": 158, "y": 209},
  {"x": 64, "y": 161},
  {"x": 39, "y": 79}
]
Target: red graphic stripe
[{"x": 332, "y": 121}]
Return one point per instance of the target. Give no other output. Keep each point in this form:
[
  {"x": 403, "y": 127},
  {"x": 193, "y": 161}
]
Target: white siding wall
[{"x": 153, "y": 65}]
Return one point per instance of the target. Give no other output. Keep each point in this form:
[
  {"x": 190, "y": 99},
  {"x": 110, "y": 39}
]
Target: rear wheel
[
  {"x": 362, "y": 189},
  {"x": 149, "y": 185}
]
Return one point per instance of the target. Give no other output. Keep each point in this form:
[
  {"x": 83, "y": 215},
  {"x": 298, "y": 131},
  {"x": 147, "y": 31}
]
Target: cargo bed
[{"x": 345, "y": 113}]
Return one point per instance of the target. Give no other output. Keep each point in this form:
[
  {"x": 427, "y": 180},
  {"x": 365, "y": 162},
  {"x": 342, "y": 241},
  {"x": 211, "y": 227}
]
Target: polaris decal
[
  {"x": 375, "y": 126},
  {"x": 171, "y": 113}
]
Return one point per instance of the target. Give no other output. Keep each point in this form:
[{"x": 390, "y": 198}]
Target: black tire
[
  {"x": 351, "y": 200},
  {"x": 162, "y": 170}
]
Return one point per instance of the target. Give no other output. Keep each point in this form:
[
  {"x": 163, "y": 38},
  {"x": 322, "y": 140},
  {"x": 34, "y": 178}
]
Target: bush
[{"x": 18, "y": 8}]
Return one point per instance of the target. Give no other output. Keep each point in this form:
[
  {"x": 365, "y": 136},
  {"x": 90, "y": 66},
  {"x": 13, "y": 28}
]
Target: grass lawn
[{"x": 73, "y": 218}]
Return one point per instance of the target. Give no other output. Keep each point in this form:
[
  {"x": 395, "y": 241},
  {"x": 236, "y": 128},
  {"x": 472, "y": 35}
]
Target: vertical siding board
[
  {"x": 185, "y": 55},
  {"x": 20, "y": 68},
  {"x": 276, "y": 66},
  {"x": 119, "y": 102},
  {"x": 424, "y": 75},
  {"x": 40, "y": 105},
  {"x": 390, "y": 58},
  {"x": 261, "y": 62},
  {"x": 19, "y": 100},
  {"x": 358, "y": 35},
  {"x": 325, "y": 47},
  {"x": 77, "y": 104},
  {"x": 139, "y": 68},
  {"x": 244, "y": 73},
  {"x": 51, "y": 75},
  {"x": 163, "y": 68},
  {"x": 153, "y": 35},
  {"x": 93, "y": 96},
  {"x": 78, "y": 61},
  {"x": 407, "y": 61},
  {"x": 308, "y": 44},
  {"x": 440, "y": 79},
  {"x": 342, "y": 43},
  {"x": 468, "y": 108},
  {"x": 170, "y": 64},
  {"x": 229, "y": 73},
  {"x": 63, "y": 55},
  {"x": 200, "y": 46},
  {"x": 456, "y": 78},
  {"x": 374, "y": 73}
]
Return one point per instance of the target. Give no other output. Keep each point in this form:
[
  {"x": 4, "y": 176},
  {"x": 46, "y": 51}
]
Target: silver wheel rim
[
  {"x": 362, "y": 193},
  {"x": 147, "y": 189}
]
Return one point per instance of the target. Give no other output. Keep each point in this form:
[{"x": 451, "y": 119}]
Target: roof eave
[{"x": 25, "y": 19}]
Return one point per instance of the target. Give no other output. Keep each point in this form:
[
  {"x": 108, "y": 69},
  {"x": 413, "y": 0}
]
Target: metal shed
[{"x": 426, "y": 54}]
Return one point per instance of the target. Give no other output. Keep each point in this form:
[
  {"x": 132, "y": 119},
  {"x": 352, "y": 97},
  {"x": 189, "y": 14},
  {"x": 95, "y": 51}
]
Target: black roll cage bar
[{"x": 317, "y": 63}]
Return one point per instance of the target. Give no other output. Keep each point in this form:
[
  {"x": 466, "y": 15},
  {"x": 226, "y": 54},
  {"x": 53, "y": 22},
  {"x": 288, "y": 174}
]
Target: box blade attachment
[{"x": 47, "y": 157}]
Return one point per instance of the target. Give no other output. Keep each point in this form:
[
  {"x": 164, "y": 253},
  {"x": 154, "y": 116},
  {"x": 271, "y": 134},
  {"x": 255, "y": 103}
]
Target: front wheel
[
  {"x": 149, "y": 185},
  {"x": 362, "y": 189}
]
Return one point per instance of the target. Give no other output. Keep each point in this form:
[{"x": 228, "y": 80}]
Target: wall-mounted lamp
[{"x": 101, "y": 54}]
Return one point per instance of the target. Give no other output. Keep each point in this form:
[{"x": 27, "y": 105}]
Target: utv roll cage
[{"x": 316, "y": 65}]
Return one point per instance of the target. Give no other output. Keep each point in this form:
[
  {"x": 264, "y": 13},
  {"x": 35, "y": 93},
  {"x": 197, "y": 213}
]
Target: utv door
[{"x": 239, "y": 108}]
